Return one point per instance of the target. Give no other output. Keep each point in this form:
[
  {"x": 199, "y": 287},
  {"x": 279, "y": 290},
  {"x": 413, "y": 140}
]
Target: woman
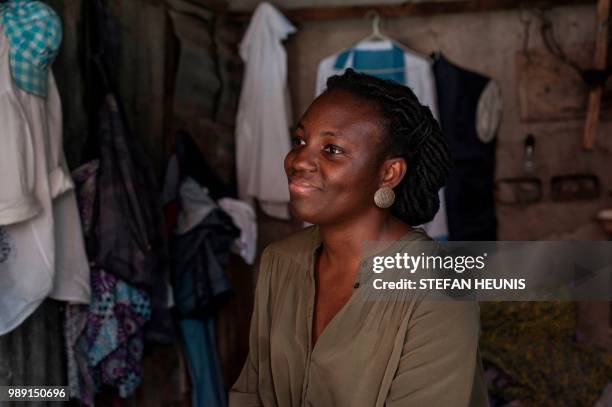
[{"x": 367, "y": 162}]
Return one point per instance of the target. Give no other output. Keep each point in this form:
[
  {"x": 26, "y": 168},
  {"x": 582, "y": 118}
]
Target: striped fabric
[
  {"x": 383, "y": 63},
  {"x": 34, "y": 32}
]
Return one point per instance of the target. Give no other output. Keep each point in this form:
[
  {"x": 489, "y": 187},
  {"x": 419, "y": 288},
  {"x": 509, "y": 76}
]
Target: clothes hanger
[{"x": 376, "y": 35}]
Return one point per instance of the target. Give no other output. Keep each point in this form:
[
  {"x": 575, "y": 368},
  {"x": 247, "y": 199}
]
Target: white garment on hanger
[
  {"x": 264, "y": 113},
  {"x": 72, "y": 275},
  {"x": 27, "y": 265},
  {"x": 44, "y": 254},
  {"x": 243, "y": 216},
  {"x": 196, "y": 205},
  {"x": 17, "y": 165},
  {"x": 418, "y": 76}
]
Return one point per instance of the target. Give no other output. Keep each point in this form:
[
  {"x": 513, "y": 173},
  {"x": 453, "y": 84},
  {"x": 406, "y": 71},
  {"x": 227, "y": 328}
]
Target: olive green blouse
[{"x": 413, "y": 352}]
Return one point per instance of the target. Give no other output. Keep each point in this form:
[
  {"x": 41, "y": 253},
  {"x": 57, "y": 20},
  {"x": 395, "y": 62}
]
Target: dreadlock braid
[{"x": 411, "y": 132}]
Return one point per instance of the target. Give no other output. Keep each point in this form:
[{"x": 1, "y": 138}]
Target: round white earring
[{"x": 384, "y": 197}]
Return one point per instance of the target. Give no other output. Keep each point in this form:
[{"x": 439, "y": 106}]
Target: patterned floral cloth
[
  {"x": 113, "y": 338},
  {"x": 5, "y": 245},
  {"x": 531, "y": 356},
  {"x": 105, "y": 340}
]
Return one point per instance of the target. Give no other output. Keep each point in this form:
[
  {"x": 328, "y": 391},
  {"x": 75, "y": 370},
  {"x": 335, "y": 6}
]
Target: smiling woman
[{"x": 367, "y": 163}]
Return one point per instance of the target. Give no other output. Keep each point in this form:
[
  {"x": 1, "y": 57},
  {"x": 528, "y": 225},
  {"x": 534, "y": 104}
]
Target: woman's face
[{"x": 332, "y": 168}]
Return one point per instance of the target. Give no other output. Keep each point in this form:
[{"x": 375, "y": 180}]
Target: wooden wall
[{"x": 492, "y": 44}]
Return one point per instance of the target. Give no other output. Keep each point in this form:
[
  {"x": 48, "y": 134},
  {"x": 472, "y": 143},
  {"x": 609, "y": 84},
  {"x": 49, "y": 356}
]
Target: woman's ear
[{"x": 394, "y": 170}]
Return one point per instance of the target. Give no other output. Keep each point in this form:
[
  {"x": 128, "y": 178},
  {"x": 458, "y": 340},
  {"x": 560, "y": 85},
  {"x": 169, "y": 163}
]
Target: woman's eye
[
  {"x": 333, "y": 149},
  {"x": 297, "y": 141}
]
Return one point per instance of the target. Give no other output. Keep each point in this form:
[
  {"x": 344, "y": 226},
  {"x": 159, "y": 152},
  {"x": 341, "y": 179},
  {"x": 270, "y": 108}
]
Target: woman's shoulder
[
  {"x": 418, "y": 234},
  {"x": 414, "y": 239},
  {"x": 297, "y": 247}
]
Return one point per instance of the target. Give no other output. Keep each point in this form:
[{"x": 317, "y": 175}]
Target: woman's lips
[{"x": 302, "y": 187}]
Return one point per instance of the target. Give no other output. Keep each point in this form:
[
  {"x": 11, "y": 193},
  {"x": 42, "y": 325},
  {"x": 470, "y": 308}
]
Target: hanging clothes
[
  {"x": 200, "y": 236},
  {"x": 105, "y": 340},
  {"x": 113, "y": 338},
  {"x": 186, "y": 172},
  {"x": 82, "y": 385},
  {"x": 187, "y": 163},
  {"x": 31, "y": 53},
  {"x": 18, "y": 200},
  {"x": 44, "y": 252},
  {"x": 203, "y": 362},
  {"x": 122, "y": 224},
  {"x": 31, "y": 36},
  {"x": 130, "y": 239},
  {"x": 130, "y": 233},
  {"x": 200, "y": 252},
  {"x": 388, "y": 60},
  {"x": 197, "y": 204},
  {"x": 470, "y": 113},
  {"x": 385, "y": 60},
  {"x": 244, "y": 218},
  {"x": 262, "y": 128},
  {"x": 200, "y": 255},
  {"x": 35, "y": 32},
  {"x": 71, "y": 278}
]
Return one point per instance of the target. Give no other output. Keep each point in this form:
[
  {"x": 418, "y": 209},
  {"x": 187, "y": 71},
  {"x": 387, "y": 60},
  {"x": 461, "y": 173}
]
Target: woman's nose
[{"x": 304, "y": 159}]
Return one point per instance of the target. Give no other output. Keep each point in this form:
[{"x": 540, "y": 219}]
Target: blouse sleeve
[
  {"x": 245, "y": 392},
  {"x": 440, "y": 363}
]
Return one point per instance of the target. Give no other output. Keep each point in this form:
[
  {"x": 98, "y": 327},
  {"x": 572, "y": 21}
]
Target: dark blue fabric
[
  {"x": 470, "y": 207},
  {"x": 200, "y": 258},
  {"x": 203, "y": 362}
]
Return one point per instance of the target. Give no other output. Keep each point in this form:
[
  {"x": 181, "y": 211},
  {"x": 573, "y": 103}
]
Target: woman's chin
[{"x": 304, "y": 212}]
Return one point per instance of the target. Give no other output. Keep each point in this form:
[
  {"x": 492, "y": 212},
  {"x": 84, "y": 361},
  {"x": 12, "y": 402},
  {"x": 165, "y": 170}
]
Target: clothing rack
[{"x": 407, "y": 9}]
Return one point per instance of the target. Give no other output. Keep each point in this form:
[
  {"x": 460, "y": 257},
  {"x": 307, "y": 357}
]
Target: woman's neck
[{"x": 343, "y": 242}]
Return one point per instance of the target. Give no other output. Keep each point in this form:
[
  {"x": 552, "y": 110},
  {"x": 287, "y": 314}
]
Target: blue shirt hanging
[{"x": 388, "y": 62}]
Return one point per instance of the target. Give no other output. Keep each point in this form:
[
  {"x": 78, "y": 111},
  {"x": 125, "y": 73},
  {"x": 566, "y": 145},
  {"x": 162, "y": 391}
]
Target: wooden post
[{"x": 601, "y": 55}]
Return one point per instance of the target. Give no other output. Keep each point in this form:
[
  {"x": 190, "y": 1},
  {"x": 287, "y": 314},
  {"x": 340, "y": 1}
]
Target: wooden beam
[
  {"x": 406, "y": 9},
  {"x": 601, "y": 59}
]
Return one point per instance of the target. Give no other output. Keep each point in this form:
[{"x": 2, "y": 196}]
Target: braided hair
[{"x": 411, "y": 132}]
